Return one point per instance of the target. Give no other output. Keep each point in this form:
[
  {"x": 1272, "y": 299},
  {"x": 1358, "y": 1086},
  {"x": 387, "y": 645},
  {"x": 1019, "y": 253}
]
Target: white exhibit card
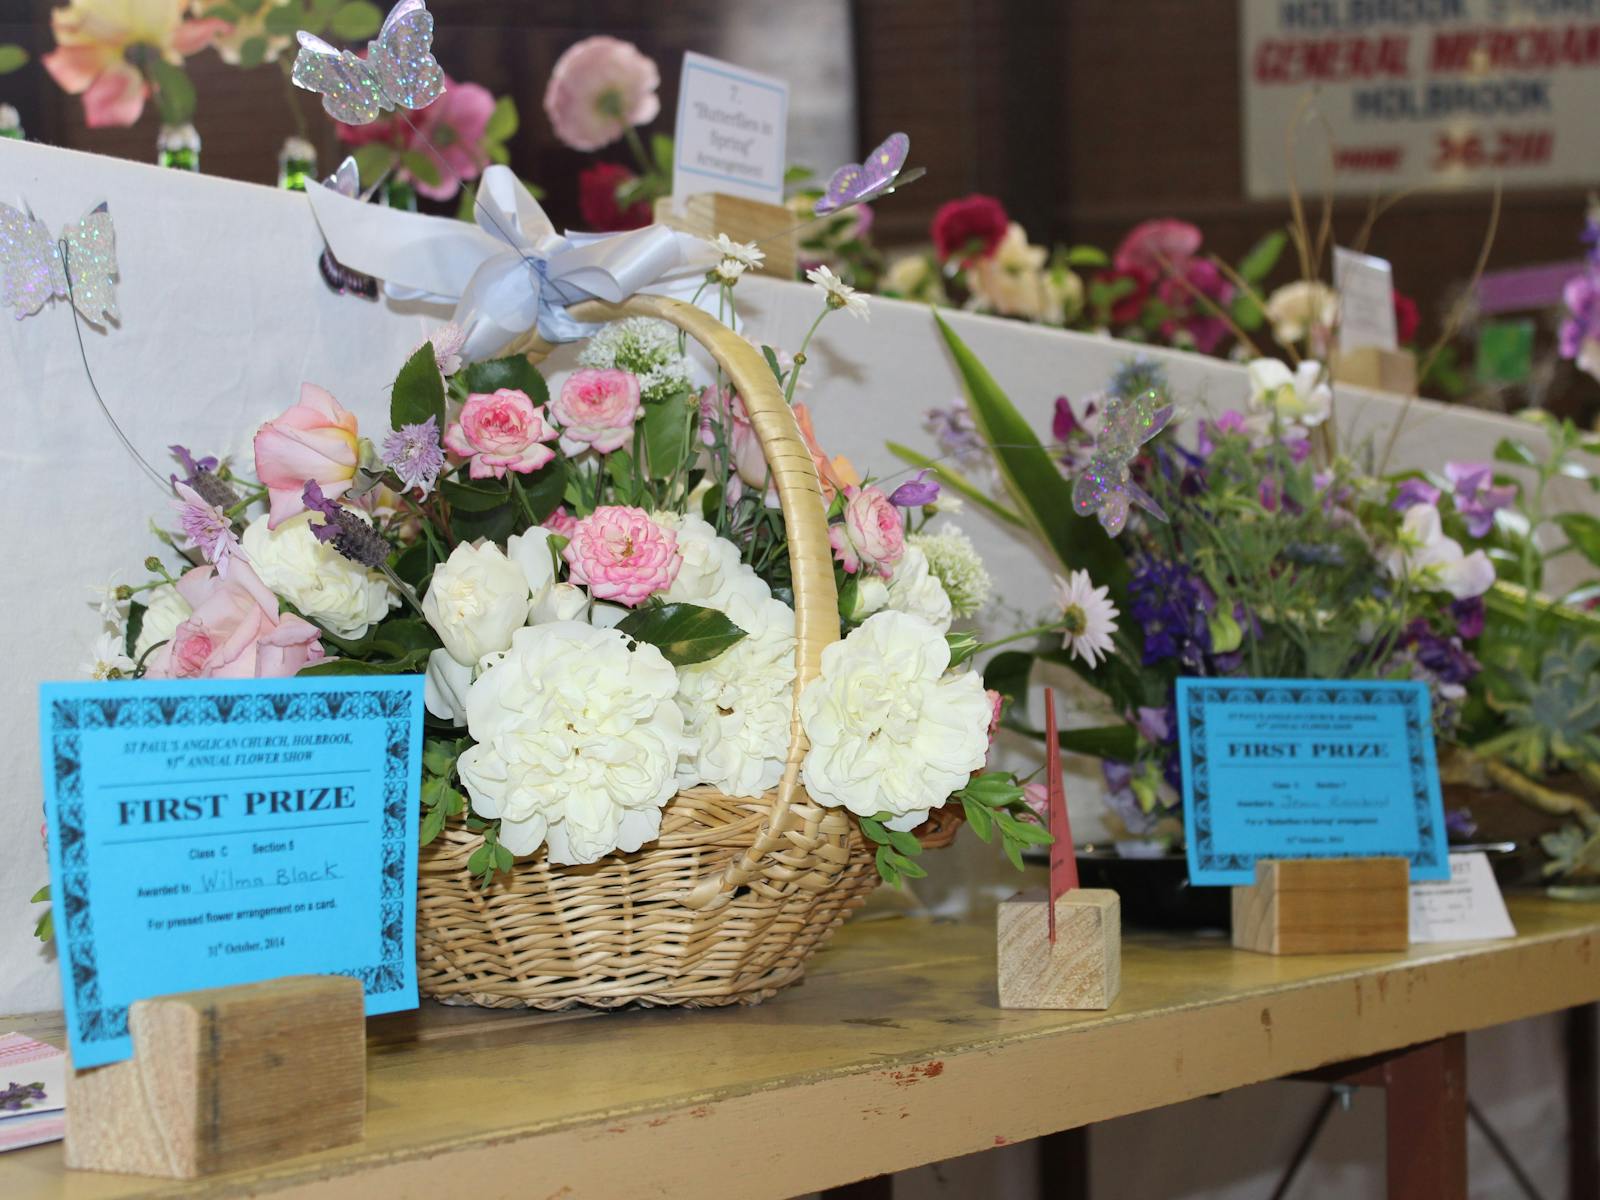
[
  {"x": 1366, "y": 300},
  {"x": 1467, "y": 907},
  {"x": 731, "y": 129}
]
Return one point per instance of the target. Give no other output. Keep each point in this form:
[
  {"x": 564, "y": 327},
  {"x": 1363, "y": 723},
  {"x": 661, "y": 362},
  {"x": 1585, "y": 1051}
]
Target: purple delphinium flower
[
  {"x": 915, "y": 492},
  {"x": 1469, "y": 616},
  {"x": 1171, "y": 605},
  {"x": 1476, "y": 496},
  {"x": 349, "y": 534},
  {"x": 1121, "y": 800},
  {"x": 1442, "y": 657},
  {"x": 413, "y": 453},
  {"x": 1413, "y": 492},
  {"x": 957, "y": 433},
  {"x": 1155, "y": 724},
  {"x": 207, "y": 528},
  {"x": 1582, "y": 324}
]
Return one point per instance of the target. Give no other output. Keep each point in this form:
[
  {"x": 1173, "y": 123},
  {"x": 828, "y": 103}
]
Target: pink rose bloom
[
  {"x": 599, "y": 87},
  {"x": 746, "y": 457},
  {"x": 597, "y": 408},
  {"x": 499, "y": 432},
  {"x": 997, "y": 704},
  {"x": 871, "y": 535},
  {"x": 620, "y": 554},
  {"x": 1148, "y": 243},
  {"x": 1037, "y": 797},
  {"x": 234, "y": 632},
  {"x": 561, "y": 522},
  {"x": 316, "y": 439}
]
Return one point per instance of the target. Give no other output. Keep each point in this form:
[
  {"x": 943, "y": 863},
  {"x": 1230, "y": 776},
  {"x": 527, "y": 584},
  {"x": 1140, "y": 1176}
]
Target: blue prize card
[
  {"x": 1285, "y": 768},
  {"x": 212, "y": 832}
]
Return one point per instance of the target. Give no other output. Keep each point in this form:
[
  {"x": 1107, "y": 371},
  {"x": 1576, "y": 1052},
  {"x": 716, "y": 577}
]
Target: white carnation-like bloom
[
  {"x": 955, "y": 560},
  {"x": 736, "y": 706},
  {"x": 323, "y": 584},
  {"x": 890, "y": 731},
  {"x": 477, "y": 598},
  {"x": 578, "y": 741},
  {"x": 711, "y": 574},
  {"x": 915, "y": 589},
  {"x": 164, "y": 611}
]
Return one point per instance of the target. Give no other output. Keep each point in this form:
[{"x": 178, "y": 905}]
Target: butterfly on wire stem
[
  {"x": 399, "y": 70},
  {"x": 1104, "y": 487},
  {"x": 33, "y": 271}
]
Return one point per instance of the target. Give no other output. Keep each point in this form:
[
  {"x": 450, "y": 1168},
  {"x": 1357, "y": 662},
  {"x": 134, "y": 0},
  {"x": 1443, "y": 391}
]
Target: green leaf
[
  {"x": 130, "y": 636},
  {"x": 412, "y": 663},
  {"x": 503, "y": 121},
  {"x": 432, "y": 825},
  {"x": 356, "y": 20},
  {"x": 496, "y": 524},
  {"x": 873, "y": 828},
  {"x": 373, "y": 161},
  {"x": 252, "y": 52},
  {"x": 540, "y": 494},
  {"x": 772, "y": 361},
  {"x": 42, "y": 896},
  {"x": 282, "y": 20},
  {"x": 418, "y": 391},
  {"x": 1038, "y": 489},
  {"x": 1086, "y": 256},
  {"x": 174, "y": 91},
  {"x": 666, "y": 436},
  {"x": 963, "y": 645},
  {"x": 684, "y": 633},
  {"x": 422, "y": 166},
  {"x": 514, "y": 372},
  {"x": 904, "y": 842},
  {"x": 475, "y": 495},
  {"x": 1257, "y": 265},
  {"x": 661, "y": 151},
  {"x": 1246, "y": 312},
  {"x": 12, "y": 58},
  {"x": 1583, "y": 531},
  {"x": 979, "y": 817},
  {"x": 481, "y": 860},
  {"x": 885, "y": 860},
  {"x": 624, "y": 483},
  {"x": 953, "y": 479},
  {"x": 403, "y": 636},
  {"x": 1508, "y": 450}
]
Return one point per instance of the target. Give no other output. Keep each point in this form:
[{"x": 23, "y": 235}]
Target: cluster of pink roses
[
  {"x": 505, "y": 431},
  {"x": 872, "y": 535}
]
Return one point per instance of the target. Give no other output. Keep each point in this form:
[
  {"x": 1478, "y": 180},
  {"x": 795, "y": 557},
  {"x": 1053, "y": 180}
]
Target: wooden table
[{"x": 893, "y": 1054}]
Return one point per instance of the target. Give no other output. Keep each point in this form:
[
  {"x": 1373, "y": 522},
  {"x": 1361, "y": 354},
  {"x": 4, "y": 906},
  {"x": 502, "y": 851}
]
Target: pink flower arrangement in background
[
  {"x": 501, "y": 431},
  {"x": 872, "y": 535},
  {"x": 968, "y": 229},
  {"x": 234, "y": 631},
  {"x": 451, "y": 131},
  {"x": 1152, "y": 246},
  {"x": 620, "y": 554},
  {"x": 92, "y": 41},
  {"x": 315, "y": 439},
  {"x": 600, "y": 88},
  {"x": 596, "y": 409}
]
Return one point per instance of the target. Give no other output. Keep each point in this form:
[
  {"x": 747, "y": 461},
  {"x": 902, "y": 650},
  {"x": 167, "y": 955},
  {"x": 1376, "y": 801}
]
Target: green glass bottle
[
  {"x": 297, "y": 164},
  {"x": 11, "y": 124},
  {"x": 398, "y": 193},
  {"x": 178, "y": 146}
]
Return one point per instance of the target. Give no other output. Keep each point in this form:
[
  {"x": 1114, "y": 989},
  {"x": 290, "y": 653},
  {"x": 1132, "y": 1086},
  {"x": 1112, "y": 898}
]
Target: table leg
[
  {"x": 1583, "y": 1102},
  {"x": 1427, "y": 1120},
  {"x": 879, "y": 1187},
  {"x": 1064, "y": 1165}
]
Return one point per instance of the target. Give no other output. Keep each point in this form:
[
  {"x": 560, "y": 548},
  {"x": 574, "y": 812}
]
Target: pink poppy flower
[
  {"x": 600, "y": 87},
  {"x": 1151, "y": 242}
]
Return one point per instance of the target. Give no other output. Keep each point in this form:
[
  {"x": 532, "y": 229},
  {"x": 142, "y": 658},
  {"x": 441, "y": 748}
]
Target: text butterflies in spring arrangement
[
  {"x": 880, "y": 174},
  {"x": 398, "y": 72},
  {"x": 1104, "y": 487},
  {"x": 32, "y": 271}
]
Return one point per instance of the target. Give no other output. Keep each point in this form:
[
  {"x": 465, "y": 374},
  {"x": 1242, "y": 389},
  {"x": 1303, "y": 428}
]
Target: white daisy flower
[
  {"x": 1088, "y": 617},
  {"x": 746, "y": 254},
  {"x": 727, "y": 271},
  {"x": 107, "y": 659},
  {"x": 838, "y": 293}
]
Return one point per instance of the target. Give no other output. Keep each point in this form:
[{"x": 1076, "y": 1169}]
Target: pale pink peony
[
  {"x": 599, "y": 87},
  {"x": 1152, "y": 246},
  {"x": 620, "y": 554},
  {"x": 499, "y": 432},
  {"x": 597, "y": 408},
  {"x": 872, "y": 534},
  {"x": 315, "y": 439},
  {"x": 234, "y": 632}
]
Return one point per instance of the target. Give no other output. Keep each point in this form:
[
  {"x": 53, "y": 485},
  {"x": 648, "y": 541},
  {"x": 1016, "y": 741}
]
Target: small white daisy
[
  {"x": 746, "y": 254},
  {"x": 727, "y": 271},
  {"x": 107, "y": 659},
  {"x": 1088, "y": 618},
  {"x": 839, "y": 294}
]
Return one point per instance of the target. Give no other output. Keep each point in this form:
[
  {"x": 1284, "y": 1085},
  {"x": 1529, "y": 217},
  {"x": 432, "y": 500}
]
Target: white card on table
[
  {"x": 1366, "y": 300},
  {"x": 730, "y": 132},
  {"x": 1467, "y": 907}
]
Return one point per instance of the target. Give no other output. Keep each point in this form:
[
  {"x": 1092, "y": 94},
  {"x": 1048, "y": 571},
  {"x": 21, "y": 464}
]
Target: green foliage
[
  {"x": 356, "y": 20},
  {"x": 897, "y": 852},
  {"x": 993, "y": 801},
  {"x": 373, "y": 161},
  {"x": 1255, "y": 266},
  {"x": 684, "y": 633},
  {"x": 514, "y": 372},
  {"x": 667, "y": 441},
  {"x": 12, "y": 58},
  {"x": 45, "y": 927},
  {"x": 175, "y": 95},
  {"x": 418, "y": 391},
  {"x": 490, "y": 858},
  {"x": 1553, "y": 710}
]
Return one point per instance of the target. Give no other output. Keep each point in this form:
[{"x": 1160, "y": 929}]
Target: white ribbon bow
[{"x": 511, "y": 271}]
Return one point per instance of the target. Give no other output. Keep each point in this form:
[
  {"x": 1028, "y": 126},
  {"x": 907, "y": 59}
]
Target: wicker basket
[{"x": 727, "y": 905}]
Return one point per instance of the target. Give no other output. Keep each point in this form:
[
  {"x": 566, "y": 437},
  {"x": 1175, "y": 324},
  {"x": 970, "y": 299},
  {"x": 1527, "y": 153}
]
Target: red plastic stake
[{"x": 1063, "y": 860}]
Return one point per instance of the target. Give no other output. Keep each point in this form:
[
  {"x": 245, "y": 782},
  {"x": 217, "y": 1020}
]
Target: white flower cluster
[
  {"x": 648, "y": 348},
  {"x": 954, "y": 561}
]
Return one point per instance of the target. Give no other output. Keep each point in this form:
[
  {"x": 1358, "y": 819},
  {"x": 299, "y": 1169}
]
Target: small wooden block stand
[
  {"x": 225, "y": 1079},
  {"x": 1081, "y": 970},
  {"x": 1382, "y": 370},
  {"x": 710, "y": 213},
  {"x": 1324, "y": 906}
]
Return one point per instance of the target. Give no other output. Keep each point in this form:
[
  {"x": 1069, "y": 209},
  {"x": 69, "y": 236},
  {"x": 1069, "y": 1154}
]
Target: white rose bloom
[
  {"x": 578, "y": 742},
  {"x": 476, "y": 600},
  {"x": 737, "y": 705},
  {"x": 871, "y": 595},
  {"x": 712, "y": 574},
  {"x": 915, "y": 589},
  {"x": 890, "y": 732},
  {"x": 164, "y": 611},
  {"x": 323, "y": 584},
  {"x": 444, "y": 688}
]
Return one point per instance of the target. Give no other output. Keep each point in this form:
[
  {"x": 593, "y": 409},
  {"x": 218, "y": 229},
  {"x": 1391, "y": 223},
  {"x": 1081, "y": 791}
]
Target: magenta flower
[
  {"x": 450, "y": 131},
  {"x": 1414, "y": 491},
  {"x": 915, "y": 492},
  {"x": 620, "y": 554},
  {"x": 207, "y": 528},
  {"x": 1152, "y": 247}
]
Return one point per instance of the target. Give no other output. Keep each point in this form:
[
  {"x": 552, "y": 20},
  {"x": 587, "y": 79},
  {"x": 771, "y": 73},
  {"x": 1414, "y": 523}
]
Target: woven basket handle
[{"x": 805, "y": 518}]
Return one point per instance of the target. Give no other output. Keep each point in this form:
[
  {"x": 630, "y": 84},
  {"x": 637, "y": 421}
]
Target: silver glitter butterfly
[
  {"x": 32, "y": 272},
  {"x": 1104, "y": 487},
  {"x": 398, "y": 72}
]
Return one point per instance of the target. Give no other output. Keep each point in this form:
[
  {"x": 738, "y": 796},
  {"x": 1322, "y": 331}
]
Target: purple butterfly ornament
[{"x": 857, "y": 183}]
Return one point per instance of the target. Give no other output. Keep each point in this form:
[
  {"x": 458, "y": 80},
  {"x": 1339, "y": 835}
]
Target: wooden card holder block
[
  {"x": 1082, "y": 970},
  {"x": 226, "y": 1078},
  {"x": 710, "y": 213},
  {"x": 1382, "y": 370},
  {"x": 1324, "y": 906}
]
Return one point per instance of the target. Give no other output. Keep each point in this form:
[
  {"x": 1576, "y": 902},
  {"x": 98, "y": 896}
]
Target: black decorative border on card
[
  {"x": 69, "y": 719},
  {"x": 1198, "y": 767}
]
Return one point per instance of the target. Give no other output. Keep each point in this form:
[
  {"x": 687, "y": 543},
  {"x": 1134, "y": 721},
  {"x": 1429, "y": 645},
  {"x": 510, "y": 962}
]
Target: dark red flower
[
  {"x": 597, "y": 199},
  {"x": 1127, "y": 309},
  {"x": 1406, "y": 318},
  {"x": 969, "y": 228}
]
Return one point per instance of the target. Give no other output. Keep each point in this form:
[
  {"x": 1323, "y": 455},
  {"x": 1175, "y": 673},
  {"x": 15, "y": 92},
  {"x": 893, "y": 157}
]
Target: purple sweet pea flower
[
  {"x": 1459, "y": 824},
  {"x": 1154, "y": 724},
  {"x": 915, "y": 492},
  {"x": 1121, "y": 800},
  {"x": 1412, "y": 492},
  {"x": 1476, "y": 496},
  {"x": 1469, "y": 616}
]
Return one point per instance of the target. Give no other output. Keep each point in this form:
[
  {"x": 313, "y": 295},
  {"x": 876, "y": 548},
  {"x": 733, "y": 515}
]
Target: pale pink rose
[
  {"x": 599, "y": 87},
  {"x": 597, "y": 408},
  {"x": 747, "y": 458},
  {"x": 561, "y": 522},
  {"x": 1037, "y": 797},
  {"x": 872, "y": 534},
  {"x": 315, "y": 439},
  {"x": 997, "y": 704},
  {"x": 234, "y": 632},
  {"x": 620, "y": 554},
  {"x": 499, "y": 432},
  {"x": 1152, "y": 246}
]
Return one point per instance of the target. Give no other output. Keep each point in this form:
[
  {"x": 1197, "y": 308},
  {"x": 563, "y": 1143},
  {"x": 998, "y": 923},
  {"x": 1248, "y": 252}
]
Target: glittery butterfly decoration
[
  {"x": 346, "y": 180},
  {"x": 32, "y": 272},
  {"x": 1104, "y": 487},
  {"x": 880, "y": 174},
  {"x": 398, "y": 72}
]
